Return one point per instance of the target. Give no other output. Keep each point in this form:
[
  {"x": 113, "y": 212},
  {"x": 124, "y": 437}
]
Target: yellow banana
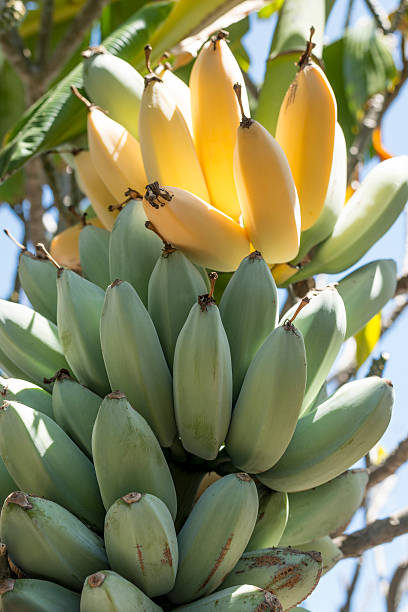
[
  {"x": 206, "y": 235},
  {"x": 305, "y": 130},
  {"x": 115, "y": 153},
  {"x": 65, "y": 245},
  {"x": 271, "y": 216},
  {"x": 95, "y": 189},
  {"x": 216, "y": 116},
  {"x": 178, "y": 90},
  {"x": 165, "y": 139}
]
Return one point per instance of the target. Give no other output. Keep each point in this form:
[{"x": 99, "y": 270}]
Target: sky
[{"x": 329, "y": 595}]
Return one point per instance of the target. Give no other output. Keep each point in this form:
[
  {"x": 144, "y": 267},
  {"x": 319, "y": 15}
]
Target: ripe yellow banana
[
  {"x": 115, "y": 153},
  {"x": 305, "y": 130},
  {"x": 95, "y": 189},
  {"x": 206, "y": 235},
  {"x": 178, "y": 90},
  {"x": 64, "y": 246},
  {"x": 216, "y": 116},
  {"x": 271, "y": 216},
  {"x": 165, "y": 139}
]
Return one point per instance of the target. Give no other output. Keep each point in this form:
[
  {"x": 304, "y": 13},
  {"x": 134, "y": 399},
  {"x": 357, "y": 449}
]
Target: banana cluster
[{"x": 160, "y": 451}]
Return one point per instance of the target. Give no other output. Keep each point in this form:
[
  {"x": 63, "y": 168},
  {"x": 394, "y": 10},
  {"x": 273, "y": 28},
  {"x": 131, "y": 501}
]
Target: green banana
[
  {"x": 38, "y": 278},
  {"x": 268, "y": 406},
  {"x": 334, "y": 202},
  {"x": 133, "y": 249},
  {"x": 245, "y": 598},
  {"x": 202, "y": 380},
  {"x": 174, "y": 286},
  {"x": 289, "y": 574},
  {"x": 323, "y": 325},
  {"x": 79, "y": 311},
  {"x": 214, "y": 536},
  {"x": 114, "y": 85},
  {"x": 31, "y": 340},
  {"x": 134, "y": 359},
  {"x": 106, "y": 591},
  {"x": 333, "y": 437},
  {"x": 141, "y": 523},
  {"x": 94, "y": 254},
  {"x": 127, "y": 455},
  {"x": 271, "y": 522},
  {"x": 365, "y": 291},
  {"x": 368, "y": 214},
  {"x": 322, "y": 510},
  {"x": 24, "y": 392},
  {"x": 7, "y": 484},
  {"x": 28, "y": 595},
  {"x": 30, "y": 438},
  {"x": 9, "y": 368},
  {"x": 331, "y": 554},
  {"x": 288, "y": 43},
  {"x": 46, "y": 541},
  {"x": 249, "y": 311},
  {"x": 75, "y": 408}
]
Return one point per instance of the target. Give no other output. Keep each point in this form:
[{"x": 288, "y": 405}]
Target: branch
[
  {"x": 350, "y": 591},
  {"x": 400, "y": 304},
  {"x": 376, "y": 533},
  {"x": 72, "y": 38},
  {"x": 14, "y": 50},
  {"x": 395, "y": 589},
  {"x": 380, "y": 16},
  {"x": 390, "y": 465},
  {"x": 44, "y": 35}
]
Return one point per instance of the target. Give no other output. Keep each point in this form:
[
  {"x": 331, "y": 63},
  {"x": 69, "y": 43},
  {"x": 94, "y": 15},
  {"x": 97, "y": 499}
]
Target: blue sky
[{"x": 329, "y": 595}]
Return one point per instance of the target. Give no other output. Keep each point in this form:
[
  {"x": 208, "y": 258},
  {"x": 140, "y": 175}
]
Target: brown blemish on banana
[
  {"x": 218, "y": 562},
  {"x": 96, "y": 580},
  {"x": 19, "y": 499},
  {"x": 263, "y": 561},
  {"x": 270, "y": 603},
  {"x": 167, "y": 559},
  {"x": 140, "y": 556}
]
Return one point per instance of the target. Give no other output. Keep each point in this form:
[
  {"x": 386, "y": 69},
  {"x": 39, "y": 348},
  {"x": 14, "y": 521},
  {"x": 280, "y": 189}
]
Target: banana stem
[
  {"x": 16, "y": 242},
  {"x": 289, "y": 322},
  {"x": 151, "y": 75},
  {"x": 221, "y": 35},
  {"x": 304, "y": 59},
  {"x": 48, "y": 255},
  {"x": 245, "y": 121},
  {"x": 167, "y": 247},
  {"x": 82, "y": 98},
  {"x": 213, "y": 278}
]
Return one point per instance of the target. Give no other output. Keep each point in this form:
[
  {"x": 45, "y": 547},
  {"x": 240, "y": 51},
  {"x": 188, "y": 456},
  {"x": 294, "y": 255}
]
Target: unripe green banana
[
  {"x": 245, "y": 598},
  {"x": 134, "y": 359},
  {"x": 289, "y": 574},
  {"x": 323, "y": 326},
  {"x": 30, "y": 438},
  {"x": 114, "y": 85},
  {"x": 120, "y": 441},
  {"x": 94, "y": 254},
  {"x": 133, "y": 249},
  {"x": 322, "y": 510},
  {"x": 79, "y": 311},
  {"x": 365, "y": 291},
  {"x": 7, "y": 484},
  {"x": 24, "y": 392},
  {"x": 331, "y": 554},
  {"x": 141, "y": 542},
  {"x": 75, "y": 409},
  {"x": 333, "y": 437},
  {"x": 38, "y": 278},
  {"x": 8, "y": 367},
  {"x": 271, "y": 522},
  {"x": 174, "y": 286},
  {"x": 202, "y": 380},
  {"x": 268, "y": 406},
  {"x": 249, "y": 310},
  {"x": 28, "y": 595},
  {"x": 46, "y": 541},
  {"x": 30, "y": 340},
  {"x": 106, "y": 591},
  {"x": 369, "y": 213},
  {"x": 334, "y": 202},
  {"x": 214, "y": 536}
]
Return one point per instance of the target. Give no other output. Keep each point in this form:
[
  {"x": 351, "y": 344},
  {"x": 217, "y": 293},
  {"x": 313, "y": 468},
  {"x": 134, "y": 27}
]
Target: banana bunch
[{"x": 138, "y": 410}]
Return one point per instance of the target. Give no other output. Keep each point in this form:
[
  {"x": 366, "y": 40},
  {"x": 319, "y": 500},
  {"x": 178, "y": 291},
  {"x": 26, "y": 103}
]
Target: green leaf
[
  {"x": 12, "y": 190},
  {"x": 270, "y": 9},
  {"x": 293, "y": 28},
  {"x": 58, "y": 116},
  {"x": 368, "y": 64},
  {"x": 11, "y": 96}
]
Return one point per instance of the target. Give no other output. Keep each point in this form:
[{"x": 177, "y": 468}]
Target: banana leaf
[{"x": 58, "y": 116}]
